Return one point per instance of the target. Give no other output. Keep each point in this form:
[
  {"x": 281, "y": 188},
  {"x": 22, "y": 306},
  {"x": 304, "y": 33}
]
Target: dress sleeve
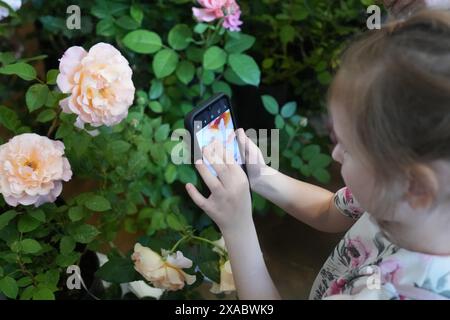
[{"x": 347, "y": 204}]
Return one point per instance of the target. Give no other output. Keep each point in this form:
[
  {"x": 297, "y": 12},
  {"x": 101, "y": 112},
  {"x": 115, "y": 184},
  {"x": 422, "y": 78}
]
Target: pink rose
[
  {"x": 32, "y": 169},
  {"x": 357, "y": 251},
  {"x": 212, "y": 10},
  {"x": 99, "y": 82},
  {"x": 336, "y": 287},
  {"x": 390, "y": 271}
]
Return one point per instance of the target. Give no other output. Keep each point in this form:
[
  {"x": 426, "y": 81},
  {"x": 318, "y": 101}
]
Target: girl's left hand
[{"x": 229, "y": 204}]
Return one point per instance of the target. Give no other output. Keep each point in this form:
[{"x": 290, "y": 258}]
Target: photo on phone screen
[{"x": 221, "y": 127}]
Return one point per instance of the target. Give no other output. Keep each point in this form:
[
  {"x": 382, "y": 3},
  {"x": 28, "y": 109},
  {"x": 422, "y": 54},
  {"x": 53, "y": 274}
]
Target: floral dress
[{"x": 366, "y": 265}]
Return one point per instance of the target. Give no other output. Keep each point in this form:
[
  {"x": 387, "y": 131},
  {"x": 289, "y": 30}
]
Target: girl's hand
[
  {"x": 229, "y": 204},
  {"x": 254, "y": 160}
]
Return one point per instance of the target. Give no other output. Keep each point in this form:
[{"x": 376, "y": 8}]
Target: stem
[
  {"x": 211, "y": 243},
  {"x": 178, "y": 243},
  {"x": 54, "y": 125},
  {"x": 113, "y": 246},
  {"x": 291, "y": 139}
]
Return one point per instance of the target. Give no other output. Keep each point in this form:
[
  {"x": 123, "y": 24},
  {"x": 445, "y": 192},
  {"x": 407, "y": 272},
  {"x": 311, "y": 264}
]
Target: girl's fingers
[
  {"x": 214, "y": 154},
  {"x": 196, "y": 196},
  {"x": 210, "y": 180}
]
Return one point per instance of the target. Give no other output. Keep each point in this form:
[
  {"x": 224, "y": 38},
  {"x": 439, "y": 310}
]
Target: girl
[{"x": 390, "y": 109}]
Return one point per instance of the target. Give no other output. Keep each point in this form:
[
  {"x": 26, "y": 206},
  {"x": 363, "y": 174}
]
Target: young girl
[{"x": 390, "y": 108}]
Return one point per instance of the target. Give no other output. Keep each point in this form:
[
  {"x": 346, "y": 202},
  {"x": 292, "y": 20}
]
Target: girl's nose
[{"x": 336, "y": 154}]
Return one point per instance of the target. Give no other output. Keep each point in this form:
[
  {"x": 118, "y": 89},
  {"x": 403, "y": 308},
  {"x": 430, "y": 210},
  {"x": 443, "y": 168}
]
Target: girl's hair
[{"x": 394, "y": 86}]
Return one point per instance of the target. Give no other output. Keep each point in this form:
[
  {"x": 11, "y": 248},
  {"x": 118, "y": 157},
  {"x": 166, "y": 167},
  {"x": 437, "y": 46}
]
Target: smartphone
[{"x": 213, "y": 119}]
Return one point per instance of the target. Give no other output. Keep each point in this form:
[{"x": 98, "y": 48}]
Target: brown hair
[{"x": 394, "y": 85}]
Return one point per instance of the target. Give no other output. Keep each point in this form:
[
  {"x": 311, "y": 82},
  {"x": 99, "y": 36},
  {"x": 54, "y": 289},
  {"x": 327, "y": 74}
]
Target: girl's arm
[
  {"x": 306, "y": 202},
  {"x": 229, "y": 205}
]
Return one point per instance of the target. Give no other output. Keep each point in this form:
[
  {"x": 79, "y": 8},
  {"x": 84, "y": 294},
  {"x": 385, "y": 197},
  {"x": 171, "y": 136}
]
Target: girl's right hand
[{"x": 253, "y": 158}]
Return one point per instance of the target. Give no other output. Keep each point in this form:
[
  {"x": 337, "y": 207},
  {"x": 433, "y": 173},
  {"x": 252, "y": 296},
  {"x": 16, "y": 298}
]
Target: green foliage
[{"x": 176, "y": 63}]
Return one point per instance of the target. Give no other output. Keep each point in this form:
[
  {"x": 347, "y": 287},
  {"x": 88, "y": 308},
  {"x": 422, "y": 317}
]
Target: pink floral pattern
[{"x": 366, "y": 265}]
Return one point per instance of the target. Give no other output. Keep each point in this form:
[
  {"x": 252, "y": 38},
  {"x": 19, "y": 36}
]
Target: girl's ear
[{"x": 423, "y": 186}]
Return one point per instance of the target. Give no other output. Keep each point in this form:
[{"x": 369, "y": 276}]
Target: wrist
[{"x": 261, "y": 183}]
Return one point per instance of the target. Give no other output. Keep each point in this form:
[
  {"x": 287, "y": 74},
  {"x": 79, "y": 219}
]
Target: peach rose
[
  {"x": 99, "y": 82},
  {"x": 226, "y": 280},
  {"x": 226, "y": 275},
  {"x": 164, "y": 272},
  {"x": 32, "y": 169}
]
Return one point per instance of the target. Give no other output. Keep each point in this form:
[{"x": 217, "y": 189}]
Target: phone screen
[{"x": 219, "y": 126}]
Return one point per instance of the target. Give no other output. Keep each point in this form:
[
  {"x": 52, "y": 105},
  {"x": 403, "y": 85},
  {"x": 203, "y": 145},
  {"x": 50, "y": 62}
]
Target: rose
[
  {"x": 226, "y": 274},
  {"x": 31, "y": 170},
  {"x": 226, "y": 279},
  {"x": 212, "y": 10},
  {"x": 164, "y": 272},
  {"x": 99, "y": 83}
]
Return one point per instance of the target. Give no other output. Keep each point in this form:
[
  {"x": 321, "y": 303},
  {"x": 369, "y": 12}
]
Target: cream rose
[
  {"x": 226, "y": 284},
  {"x": 164, "y": 272},
  {"x": 99, "y": 83},
  {"x": 32, "y": 169}
]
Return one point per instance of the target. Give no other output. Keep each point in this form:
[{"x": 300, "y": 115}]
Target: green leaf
[
  {"x": 76, "y": 213},
  {"x": 185, "y": 72},
  {"x": 143, "y": 41},
  {"x": 245, "y": 68},
  {"x": 288, "y": 110},
  {"x": 186, "y": 174},
  {"x": 105, "y": 28},
  {"x": 156, "y": 89},
  {"x": 51, "y": 76},
  {"x": 310, "y": 151},
  {"x": 84, "y": 233},
  {"x": 321, "y": 175},
  {"x": 162, "y": 132},
  {"x": 97, "y": 203},
  {"x": 6, "y": 217},
  {"x": 38, "y": 215},
  {"x": 279, "y": 122},
  {"x": 174, "y": 222},
  {"x": 208, "y": 77},
  {"x": 178, "y": 37},
  {"x": 43, "y": 294},
  {"x": 127, "y": 23},
  {"x": 46, "y": 115},
  {"x": 155, "y": 106},
  {"x": 7, "y": 57},
  {"x": 136, "y": 13},
  {"x": 119, "y": 146},
  {"x": 200, "y": 28},
  {"x": 270, "y": 104},
  {"x": 214, "y": 58},
  {"x": 30, "y": 246},
  {"x": 170, "y": 173},
  {"x": 320, "y": 161},
  {"x": 67, "y": 245},
  {"x": 21, "y": 69},
  {"x": 324, "y": 77},
  {"x": 287, "y": 34},
  {"x": 9, "y": 287},
  {"x": 165, "y": 63},
  {"x": 296, "y": 162},
  {"x": 118, "y": 270},
  {"x": 27, "y": 223},
  {"x": 239, "y": 44},
  {"x": 9, "y": 119},
  {"x": 222, "y": 87},
  {"x": 36, "y": 96}
]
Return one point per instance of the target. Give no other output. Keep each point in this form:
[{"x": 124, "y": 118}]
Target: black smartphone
[{"x": 213, "y": 119}]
